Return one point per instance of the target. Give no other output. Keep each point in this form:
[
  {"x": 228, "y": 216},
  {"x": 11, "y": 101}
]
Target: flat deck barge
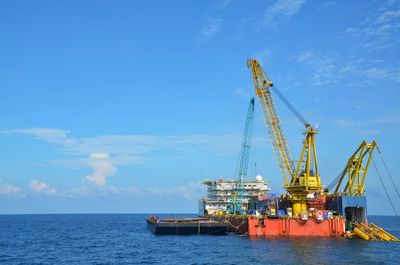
[{"x": 186, "y": 226}]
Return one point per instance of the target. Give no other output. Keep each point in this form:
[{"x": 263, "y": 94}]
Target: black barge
[{"x": 186, "y": 226}]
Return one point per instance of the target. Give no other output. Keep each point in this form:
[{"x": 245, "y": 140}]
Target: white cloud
[
  {"x": 41, "y": 187},
  {"x": 378, "y": 73},
  {"x": 125, "y": 149},
  {"x": 323, "y": 67},
  {"x": 122, "y": 159},
  {"x": 117, "y": 144},
  {"x": 281, "y": 11},
  {"x": 103, "y": 154},
  {"x": 306, "y": 56},
  {"x": 188, "y": 191},
  {"x": 7, "y": 189},
  {"x": 113, "y": 144},
  {"x": 47, "y": 134},
  {"x": 210, "y": 28},
  {"x": 326, "y": 68},
  {"x": 366, "y": 127},
  {"x": 327, "y": 5},
  {"x": 102, "y": 168},
  {"x": 226, "y": 144},
  {"x": 222, "y": 3},
  {"x": 387, "y": 16},
  {"x": 379, "y": 30},
  {"x": 89, "y": 189}
]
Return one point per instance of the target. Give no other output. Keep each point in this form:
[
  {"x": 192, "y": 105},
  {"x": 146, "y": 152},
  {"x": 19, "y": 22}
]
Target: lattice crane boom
[
  {"x": 263, "y": 85},
  {"x": 304, "y": 179},
  {"x": 243, "y": 162},
  {"x": 246, "y": 143},
  {"x": 356, "y": 170}
]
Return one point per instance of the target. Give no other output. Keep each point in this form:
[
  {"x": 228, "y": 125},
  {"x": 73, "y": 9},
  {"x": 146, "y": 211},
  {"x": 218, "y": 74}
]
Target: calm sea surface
[{"x": 124, "y": 239}]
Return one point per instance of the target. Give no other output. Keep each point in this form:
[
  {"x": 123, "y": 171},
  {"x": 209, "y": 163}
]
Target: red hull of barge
[
  {"x": 294, "y": 227},
  {"x": 290, "y": 227}
]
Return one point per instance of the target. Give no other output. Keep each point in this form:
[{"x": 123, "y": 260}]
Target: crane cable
[
  {"x": 334, "y": 182},
  {"x": 290, "y": 106},
  {"x": 387, "y": 170},
  {"x": 384, "y": 188}
]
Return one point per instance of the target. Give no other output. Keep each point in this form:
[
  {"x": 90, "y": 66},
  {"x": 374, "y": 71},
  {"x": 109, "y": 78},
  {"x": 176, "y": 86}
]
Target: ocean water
[{"x": 124, "y": 239}]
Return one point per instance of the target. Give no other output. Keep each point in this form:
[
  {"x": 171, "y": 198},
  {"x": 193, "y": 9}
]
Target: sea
[{"x": 125, "y": 239}]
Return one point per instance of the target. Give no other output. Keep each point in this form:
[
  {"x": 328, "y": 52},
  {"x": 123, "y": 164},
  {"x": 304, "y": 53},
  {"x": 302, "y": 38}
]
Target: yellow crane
[
  {"x": 304, "y": 178},
  {"x": 356, "y": 170},
  {"x": 353, "y": 179}
]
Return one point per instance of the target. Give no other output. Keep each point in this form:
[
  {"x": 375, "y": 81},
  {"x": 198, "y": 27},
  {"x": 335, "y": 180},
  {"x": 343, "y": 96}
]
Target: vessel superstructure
[{"x": 221, "y": 195}]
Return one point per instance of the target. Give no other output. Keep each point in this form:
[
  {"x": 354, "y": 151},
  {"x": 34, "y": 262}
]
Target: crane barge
[{"x": 307, "y": 209}]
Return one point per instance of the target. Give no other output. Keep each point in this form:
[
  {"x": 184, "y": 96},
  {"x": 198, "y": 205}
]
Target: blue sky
[{"x": 126, "y": 106}]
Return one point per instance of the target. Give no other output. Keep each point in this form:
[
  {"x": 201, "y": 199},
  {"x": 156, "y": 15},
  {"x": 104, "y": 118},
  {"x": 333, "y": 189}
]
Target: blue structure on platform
[{"x": 354, "y": 208}]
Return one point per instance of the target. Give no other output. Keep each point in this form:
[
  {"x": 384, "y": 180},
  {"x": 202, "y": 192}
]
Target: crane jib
[{"x": 262, "y": 85}]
